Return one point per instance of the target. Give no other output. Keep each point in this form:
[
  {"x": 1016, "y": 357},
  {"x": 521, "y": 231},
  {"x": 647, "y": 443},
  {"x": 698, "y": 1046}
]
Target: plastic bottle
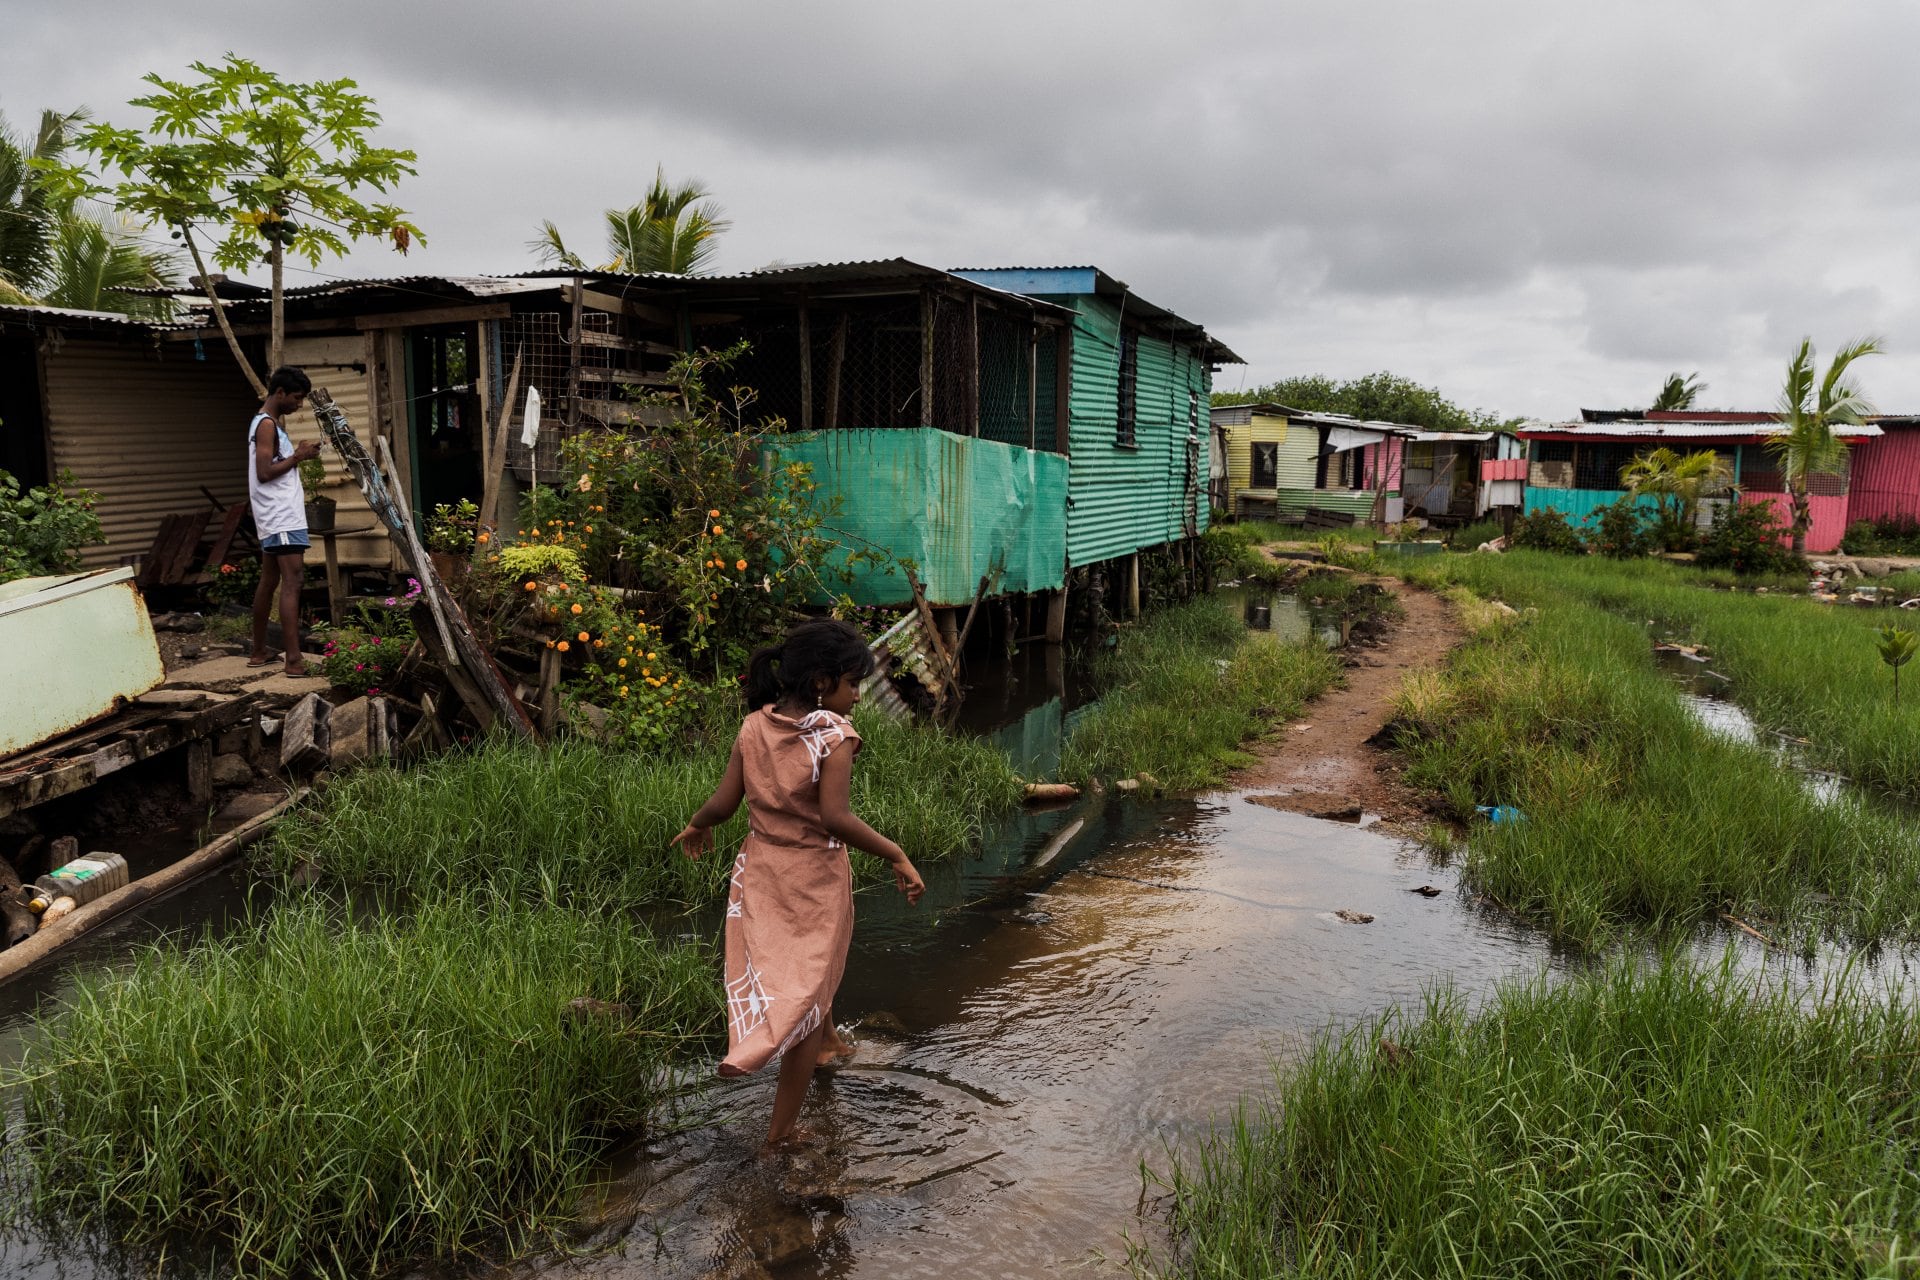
[{"x": 83, "y": 880}]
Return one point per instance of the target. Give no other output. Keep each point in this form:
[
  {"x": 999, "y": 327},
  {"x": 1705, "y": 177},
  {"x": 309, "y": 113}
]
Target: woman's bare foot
[
  {"x": 797, "y": 1138},
  {"x": 837, "y": 1052}
]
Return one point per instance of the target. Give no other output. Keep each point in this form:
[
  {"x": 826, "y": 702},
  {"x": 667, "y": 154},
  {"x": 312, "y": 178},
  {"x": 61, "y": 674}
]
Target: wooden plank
[
  {"x": 627, "y": 413},
  {"x": 1319, "y": 518},
  {"x": 183, "y": 562},
  {"x": 615, "y": 342},
  {"x": 466, "y": 313},
  {"x": 632, "y": 376},
  {"x": 229, "y": 529},
  {"x": 578, "y": 295},
  {"x": 160, "y": 553}
]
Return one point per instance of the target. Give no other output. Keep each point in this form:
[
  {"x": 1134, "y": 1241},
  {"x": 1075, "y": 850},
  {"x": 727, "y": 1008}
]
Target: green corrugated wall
[
  {"x": 1122, "y": 499},
  {"x": 958, "y": 507}
]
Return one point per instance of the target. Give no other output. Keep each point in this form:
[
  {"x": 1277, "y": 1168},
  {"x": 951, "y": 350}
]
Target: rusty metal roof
[{"x": 33, "y": 316}]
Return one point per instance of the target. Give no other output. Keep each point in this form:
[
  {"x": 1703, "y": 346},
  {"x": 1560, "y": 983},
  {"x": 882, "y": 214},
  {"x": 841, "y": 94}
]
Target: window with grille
[
  {"x": 1266, "y": 465},
  {"x": 1129, "y": 389},
  {"x": 1598, "y": 466}
]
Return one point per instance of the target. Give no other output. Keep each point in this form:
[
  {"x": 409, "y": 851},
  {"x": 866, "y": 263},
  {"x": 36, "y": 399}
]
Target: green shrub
[
  {"x": 1547, "y": 530},
  {"x": 42, "y": 530},
  {"x": 1897, "y": 535},
  {"x": 1746, "y": 538},
  {"x": 1620, "y": 531}
]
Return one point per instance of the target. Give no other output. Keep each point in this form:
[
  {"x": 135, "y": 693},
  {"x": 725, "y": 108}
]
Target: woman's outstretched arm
[
  {"x": 838, "y": 817},
  {"x": 697, "y": 836}
]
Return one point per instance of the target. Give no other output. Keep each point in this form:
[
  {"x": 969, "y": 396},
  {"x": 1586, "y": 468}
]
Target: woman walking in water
[{"x": 790, "y": 907}]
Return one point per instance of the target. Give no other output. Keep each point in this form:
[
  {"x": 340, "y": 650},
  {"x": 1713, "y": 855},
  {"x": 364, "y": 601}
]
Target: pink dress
[{"x": 790, "y": 907}]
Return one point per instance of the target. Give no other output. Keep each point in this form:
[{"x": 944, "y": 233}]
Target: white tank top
[{"x": 280, "y": 504}]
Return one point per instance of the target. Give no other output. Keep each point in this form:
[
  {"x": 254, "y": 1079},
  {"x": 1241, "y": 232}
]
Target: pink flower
[{"x": 359, "y": 666}]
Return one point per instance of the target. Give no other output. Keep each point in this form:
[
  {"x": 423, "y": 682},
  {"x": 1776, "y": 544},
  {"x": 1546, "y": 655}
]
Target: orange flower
[
  {"x": 584, "y": 637},
  {"x": 589, "y": 528},
  {"x": 649, "y": 657},
  {"x": 481, "y": 537},
  {"x": 717, "y": 531},
  {"x": 740, "y": 564},
  {"x": 599, "y": 644},
  {"x": 562, "y": 646},
  {"x": 533, "y": 586},
  {"x": 576, "y": 608},
  {"x": 623, "y": 662},
  {"x": 715, "y": 513}
]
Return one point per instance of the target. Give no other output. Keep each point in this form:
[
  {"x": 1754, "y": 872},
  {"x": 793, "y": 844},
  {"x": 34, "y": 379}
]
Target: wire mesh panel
[
  {"x": 1005, "y": 344},
  {"x": 539, "y": 340}
]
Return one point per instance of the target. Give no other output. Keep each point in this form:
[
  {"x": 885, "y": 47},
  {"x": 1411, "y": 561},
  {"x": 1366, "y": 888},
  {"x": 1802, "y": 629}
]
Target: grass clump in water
[
  {"x": 313, "y": 1097},
  {"x": 1647, "y": 1120},
  {"x": 577, "y": 823},
  {"x": 1186, "y": 688}
]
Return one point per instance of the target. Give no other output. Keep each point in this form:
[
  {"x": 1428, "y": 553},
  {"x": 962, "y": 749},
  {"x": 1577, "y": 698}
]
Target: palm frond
[
  {"x": 1679, "y": 392},
  {"x": 551, "y": 251}
]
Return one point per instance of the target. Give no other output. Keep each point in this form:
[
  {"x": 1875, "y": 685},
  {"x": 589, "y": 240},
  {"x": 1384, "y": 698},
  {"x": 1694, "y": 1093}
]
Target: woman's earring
[{"x": 819, "y": 699}]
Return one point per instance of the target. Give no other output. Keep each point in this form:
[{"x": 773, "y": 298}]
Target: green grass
[
  {"x": 1185, "y": 689},
  {"x": 1636, "y": 815},
  {"x": 1255, "y": 532},
  {"x": 576, "y": 823},
  {"x": 1804, "y": 668},
  {"x": 311, "y": 1097},
  {"x": 1648, "y": 1120}
]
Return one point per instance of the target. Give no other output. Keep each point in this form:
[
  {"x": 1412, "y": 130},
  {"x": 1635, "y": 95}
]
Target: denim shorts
[{"x": 290, "y": 543}]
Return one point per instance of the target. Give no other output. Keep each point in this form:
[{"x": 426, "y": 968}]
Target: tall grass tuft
[
  {"x": 576, "y": 823},
  {"x": 311, "y": 1097},
  {"x": 1186, "y": 688},
  {"x": 1636, "y": 814},
  {"x": 1649, "y": 1119},
  {"x": 1796, "y": 665}
]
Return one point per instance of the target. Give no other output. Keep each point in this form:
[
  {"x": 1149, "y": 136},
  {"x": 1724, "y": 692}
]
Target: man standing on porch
[{"x": 279, "y": 506}]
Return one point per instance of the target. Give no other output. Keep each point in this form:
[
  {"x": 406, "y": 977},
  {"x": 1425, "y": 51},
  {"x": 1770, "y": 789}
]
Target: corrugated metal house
[
  {"x": 1574, "y": 467},
  {"x": 1289, "y": 462},
  {"x": 144, "y": 421},
  {"x": 1137, "y": 378},
  {"x": 1886, "y": 472}
]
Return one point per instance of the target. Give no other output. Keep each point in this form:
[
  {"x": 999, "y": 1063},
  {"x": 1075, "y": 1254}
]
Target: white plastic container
[{"x": 83, "y": 880}]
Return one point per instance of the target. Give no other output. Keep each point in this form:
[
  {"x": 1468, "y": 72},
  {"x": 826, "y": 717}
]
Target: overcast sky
[{"x": 1534, "y": 206}]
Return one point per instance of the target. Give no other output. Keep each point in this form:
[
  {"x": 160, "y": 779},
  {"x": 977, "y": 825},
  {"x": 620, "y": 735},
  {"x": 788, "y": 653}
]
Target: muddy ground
[{"x": 1325, "y": 762}]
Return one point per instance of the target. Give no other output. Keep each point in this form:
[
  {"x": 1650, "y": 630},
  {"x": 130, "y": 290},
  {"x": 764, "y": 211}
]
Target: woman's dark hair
[
  {"x": 288, "y": 378},
  {"x": 825, "y": 647}
]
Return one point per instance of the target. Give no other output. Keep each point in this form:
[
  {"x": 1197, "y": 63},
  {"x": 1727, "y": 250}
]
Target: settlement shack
[
  {"x": 1136, "y": 377},
  {"x": 1312, "y": 468},
  {"x": 1574, "y": 467}
]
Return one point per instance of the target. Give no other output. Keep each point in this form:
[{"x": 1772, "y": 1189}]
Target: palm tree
[
  {"x": 672, "y": 230},
  {"x": 1677, "y": 482},
  {"x": 1808, "y": 415},
  {"x": 1678, "y": 392},
  {"x": 59, "y": 251}
]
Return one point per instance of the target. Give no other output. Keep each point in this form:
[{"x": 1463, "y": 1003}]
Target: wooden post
[
  {"x": 1063, "y": 391},
  {"x": 330, "y": 541},
  {"x": 482, "y": 365},
  {"x": 199, "y": 771},
  {"x": 949, "y": 632},
  {"x": 1133, "y": 585},
  {"x": 1057, "y": 616},
  {"x": 806, "y": 369},
  {"x": 549, "y": 695},
  {"x": 973, "y": 365},
  {"x": 1033, "y": 384},
  {"x": 573, "y": 355},
  {"x": 928, "y": 313},
  {"x": 835, "y": 362}
]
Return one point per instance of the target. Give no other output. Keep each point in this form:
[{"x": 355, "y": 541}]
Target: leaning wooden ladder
[{"x": 469, "y": 668}]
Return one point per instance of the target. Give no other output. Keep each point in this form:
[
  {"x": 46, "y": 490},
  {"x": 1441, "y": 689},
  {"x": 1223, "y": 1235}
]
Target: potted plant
[
  {"x": 320, "y": 508},
  {"x": 1403, "y": 538},
  {"x": 450, "y": 538}
]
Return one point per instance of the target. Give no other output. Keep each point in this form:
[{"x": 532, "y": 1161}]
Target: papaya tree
[{"x": 260, "y": 166}]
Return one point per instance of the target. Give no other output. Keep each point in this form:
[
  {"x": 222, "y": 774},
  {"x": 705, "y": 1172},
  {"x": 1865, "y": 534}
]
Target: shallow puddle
[{"x": 1021, "y": 1060}]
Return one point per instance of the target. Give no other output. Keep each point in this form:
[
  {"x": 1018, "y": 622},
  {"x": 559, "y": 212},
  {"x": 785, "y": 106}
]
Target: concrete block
[
  {"x": 231, "y": 770},
  {"x": 305, "y": 737}
]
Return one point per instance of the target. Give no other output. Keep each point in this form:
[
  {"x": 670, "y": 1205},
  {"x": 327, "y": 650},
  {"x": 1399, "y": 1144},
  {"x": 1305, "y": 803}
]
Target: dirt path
[{"x": 1322, "y": 762}]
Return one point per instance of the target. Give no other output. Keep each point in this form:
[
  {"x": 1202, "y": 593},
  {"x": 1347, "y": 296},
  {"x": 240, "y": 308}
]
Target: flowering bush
[
  {"x": 358, "y": 662},
  {"x": 232, "y": 581},
  {"x": 695, "y": 521},
  {"x": 454, "y": 529},
  {"x": 619, "y": 664}
]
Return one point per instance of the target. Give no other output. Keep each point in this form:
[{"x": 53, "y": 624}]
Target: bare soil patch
[{"x": 1324, "y": 763}]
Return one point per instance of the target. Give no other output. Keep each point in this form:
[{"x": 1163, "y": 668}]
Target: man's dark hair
[{"x": 288, "y": 378}]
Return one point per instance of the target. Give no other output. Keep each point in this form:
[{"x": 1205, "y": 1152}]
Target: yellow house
[{"x": 1255, "y": 434}]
